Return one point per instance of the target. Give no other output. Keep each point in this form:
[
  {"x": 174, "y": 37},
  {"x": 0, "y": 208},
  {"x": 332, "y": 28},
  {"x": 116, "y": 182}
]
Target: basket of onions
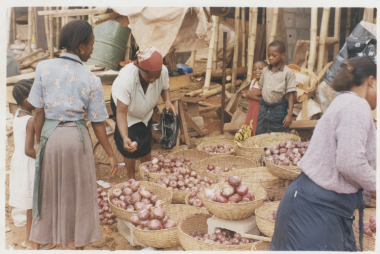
[
  {"x": 126, "y": 199},
  {"x": 182, "y": 183},
  {"x": 260, "y": 176},
  {"x": 216, "y": 167},
  {"x": 274, "y": 194},
  {"x": 281, "y": 160},
  {"x": 260, "y": 246},
  {"x": 266, "y": 216},
  {"x": 257, "y": 144},
  {"x": 369, "y": 223},
  {"x": 160, "y": 166},
  {"x": 218, "y": 147},
  {"x": 157, "y": 227},
  {"x": 233, "y": 200},
  {"x": 192, "y": 231},
  {"x": 105, "y": 213},
  {"x": 256, "y": 157}
]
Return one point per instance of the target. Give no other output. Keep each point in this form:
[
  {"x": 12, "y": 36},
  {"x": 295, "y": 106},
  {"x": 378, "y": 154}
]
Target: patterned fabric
[
  {"x": 275, "y": 85},
  {"x": 149, "y": 59},
  {"x": 66, "y": 89},
  {"x": 127, "y": 88},
  {"x": 341, "y": 156}
]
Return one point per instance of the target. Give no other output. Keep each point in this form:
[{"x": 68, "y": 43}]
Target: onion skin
[
  {"x": 135, "y": 186},
  {"x": 144, "y": 223},
  {"x": 99, "y": 190},
  {"x": 227, "y": 191},
  {"x": 130, "y": 208},
  {"x": 197, "y": 202},
  {"x": 249, "y": 195},
  {"x": 135, "y": 219},
  {"x": 155, "y": 225},
  {"x": 221, "y": 199},
  {"x": 234, "y": 181},
  {"x": 135, "y": 198},
  {"x": 170, "y": 224},
  {"x": 242, "y": 189},
  {"x": 158, "y": 213},
  {"x": 143, "y": 214},
  {"x": 139, "y": 206},
  {"x": 102, "y": 216},
  {"x": 127, "y": 191},
  {"x": 235, "y": 198}
]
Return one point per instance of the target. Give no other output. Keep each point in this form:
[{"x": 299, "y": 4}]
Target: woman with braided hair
[{"x": 338, "y": 169}]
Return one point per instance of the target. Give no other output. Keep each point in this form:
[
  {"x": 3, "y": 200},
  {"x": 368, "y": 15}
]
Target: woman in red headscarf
[{"x": 135, "y": 92}]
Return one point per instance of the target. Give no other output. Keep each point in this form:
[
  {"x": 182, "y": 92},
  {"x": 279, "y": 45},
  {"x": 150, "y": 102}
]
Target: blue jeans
[{"x": 271, "y": 119}]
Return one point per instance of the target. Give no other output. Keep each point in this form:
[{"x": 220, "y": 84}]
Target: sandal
[
  {"x": 23, "y": 244},
  {"x": 47, "y": 246}
]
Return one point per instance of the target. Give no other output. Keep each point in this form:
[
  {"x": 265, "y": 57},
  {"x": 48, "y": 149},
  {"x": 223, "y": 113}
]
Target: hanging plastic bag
[{"x": 169, "y": 129}]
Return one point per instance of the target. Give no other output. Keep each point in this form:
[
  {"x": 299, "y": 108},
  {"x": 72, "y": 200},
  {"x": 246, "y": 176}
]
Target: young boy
[
  {"x": 276, "y": 81},
  {"x": 251, "y": 94}
]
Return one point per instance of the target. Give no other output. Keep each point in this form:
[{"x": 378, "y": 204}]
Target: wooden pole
[
  {"x": 14, "y": 24},
  {"x": 127, "y": 56},
  {"x": 215, "y": 54},
  {"x": 274, "y": 25},
  {"x": 252, "y": 42},
  {"x": 192, "y": 58},
  {"x": 99, "y": 19},
  {"x": 30, "y": 20},
  {"x": 236, "y": 48},
  {"x": 47, "y": 30},
  {"x": 337, "y": 30},
  {"x": 313, "y": 39},
  {"x": 224, "y": 79},
  {"x": 58, "y": 28},
  {"x": 348, "y": 26},
  {"x": 322, "y": 37},
  {"x": 368, "y": 14},
  {"x": 209, "y": 59},
  {"x": 9, "y": 17},
  {"x": 51, "y": 35},
  {"x": 243, "y": 46}
]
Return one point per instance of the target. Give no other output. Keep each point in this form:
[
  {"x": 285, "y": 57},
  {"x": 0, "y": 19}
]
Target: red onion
[
  {"x": 155, "y": 225},
  {"x": 128, "y": 200},
  {"x": 197, "y": 202},
  {"x": 135, "y": 219},
  {"x": 103, "y": 194},
  {"x": 234, "y": 181},
  {"x": 154, "y": 199},
  {"x": 237, "y": 236},
  {"x": 105, "y": 203},
  {"x": 122, "y": 205},
  {"x": 101, "y": 211},
  {"x": 159, "y": 202},
  {"x": 235, "y": 198},
  {"x": 102, "y": 216},
  {"x": 242, "y": 189},
  {"x": 227, "y": 191},
  {"x": 130, "y": 181},
  {"x": 99, "y": 190},
  {"x": 143, "y": 223},
  {"x": 105, "y": 199},
  {"x": 116, "y": 193},
  {"x": 170, "y": 224},
  {"x": 108, "y": 215},
  {"x": 249, "y": 195},
  {"x": 106, "y": 208},
  {"x": 173, "y": 184},
  {"x": 221, "y": 199},
  {"x": 283, "y": 150},
  {"x": 181, "y": 183},
  {"x": 145, "y": 194},
  {"x": 158, "y": 213},
  {"x": 165, "y": 219},
  {"x": 135, "y": 198},
  {"x": 139, "y": 205},
  {"x": 145, "y": 201},
  {"x": 122, "y": 198},
  {"x": 210, "y": 167},
  {"x": 127, "y": 191},
  {"x": 130, "y": 208},
  {"x": 100, "y": 202}
]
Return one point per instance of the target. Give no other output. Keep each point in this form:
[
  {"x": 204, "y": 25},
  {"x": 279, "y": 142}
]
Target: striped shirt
[{"x": 341, "y": 156}]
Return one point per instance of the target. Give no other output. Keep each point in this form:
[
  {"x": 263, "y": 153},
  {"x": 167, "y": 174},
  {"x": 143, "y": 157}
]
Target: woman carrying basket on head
[
  {"x": 316, "y": 211},
  {"x": 65, "y": 204},
  {"x": 135, "y": 92}
]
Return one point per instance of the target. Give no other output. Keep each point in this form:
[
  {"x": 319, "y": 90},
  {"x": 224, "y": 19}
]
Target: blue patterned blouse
[{"x": 66, "y": 89}]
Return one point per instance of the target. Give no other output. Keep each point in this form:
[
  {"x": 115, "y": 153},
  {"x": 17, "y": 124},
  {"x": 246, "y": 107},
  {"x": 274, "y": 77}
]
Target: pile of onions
[
  {"x": 369, "y": 227},
  {"x": 184, "y": 179},
  {"x": 233, "y": 192},
  {"x": 153, "y": 218},
  {"x": 222, "y": 236},
  {"x": 105, "y": 213},
  {"x": 195, "y": 198},
  {"x": 273, "y": 216},
  {"x": 219, "y": 148},
  {"x": 166, "y": 165},
  {"x": 287, "y": 153},
  {"x": 218, "y": 170},
  {"x": 132, "y": 197}
]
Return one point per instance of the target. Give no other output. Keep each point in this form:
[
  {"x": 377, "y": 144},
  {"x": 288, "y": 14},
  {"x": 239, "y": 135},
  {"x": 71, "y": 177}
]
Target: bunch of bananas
[{"x": 244, "y": 133}]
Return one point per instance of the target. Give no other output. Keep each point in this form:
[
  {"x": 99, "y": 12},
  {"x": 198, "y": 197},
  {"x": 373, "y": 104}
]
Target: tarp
[{"x": 168, "y": 28}]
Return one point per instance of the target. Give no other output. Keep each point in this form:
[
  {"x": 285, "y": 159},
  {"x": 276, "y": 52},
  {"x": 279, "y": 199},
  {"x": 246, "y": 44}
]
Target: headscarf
[{"x": 149, "y": 59}]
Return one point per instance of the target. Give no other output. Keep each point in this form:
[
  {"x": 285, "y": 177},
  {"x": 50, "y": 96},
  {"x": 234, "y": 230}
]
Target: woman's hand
[
  {"x": 169, "y": 105},
  {"x": 128, "y": 146},
  {"x": 114, "y": 164}
]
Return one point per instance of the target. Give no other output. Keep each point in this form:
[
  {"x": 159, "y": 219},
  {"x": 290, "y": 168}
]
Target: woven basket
[
  {"x": 166, "y": 238},
  {"x": 99, "y": 153},
  {"x": 222, "y": 161},
  {"x": 260, "y": 246},
  {"x": 276, "y": 192},
  {"x": 215, "y": 142},
  {"x": 256, "y": 157},
  {"x": 283, "y": 172},
  {"x": 163, "y": 194},
  {"x": 179, "y": 196},
  {"x": 266, "y": 140},
  {"x": 253, "y": 174},
  {"x": 368, "y": 242},
  {"x": 234, "y": 211},
  {"x": 198, "y": 223},
  {"x": 262, "y": 213},
  {"x": 187, "y": 200},
  {"x": 372, "y": 204}
]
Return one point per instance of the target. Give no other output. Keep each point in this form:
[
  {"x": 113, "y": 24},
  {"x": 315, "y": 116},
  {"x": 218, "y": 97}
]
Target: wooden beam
[
  {"x": 192, "y": 123},
  {"x": 21, "y": 59},
  {"x": 73, "y": 12},
  {"x": 192, "y": 99},
  {"x": 337, "y": 30},
  {"x": 203, "y": 110},
  {"x": 193, "y": 134},
  {"x": 303, "y": 124},
  {"x": 236, "y": 49},
  {"x": 322, "y": 37},
  {"x": 14, "y": 79},
  {"x": 183, "y": 124},
  {"x": 233, "y": 127},
  {"x": 368, "y": 15},
  {"x": 217, "y": 74},
  {"x": 26, "y": 64}
]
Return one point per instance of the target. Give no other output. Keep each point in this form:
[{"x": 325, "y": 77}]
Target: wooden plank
[
  {"x": 192, "y": 123},
  {"x": 174, "y": 96},
  {"x": 368, "y": 15},
  {"x": 227, "y": 115},
  {"x": 74, "y": 12},
  {"x": 192, "y": 99},
  {"x": 107, "y": 89},
  {"x": 183, "y": 124},
  {"x": 206, "y": 104},
  {"x": 14, "y": 79},
  {"x": 26, "y": 64},
  {"x": 179, "y": 81},
  {"x": 232, "y": 127},
  {"x": 193, "y": 134},
  {"x": 206, "y": 109},
  {"x": 193, "y": 109},
  {"x": 109, "y": 109},
  {"x": 21, "y": 59},
  {"x": 303, "y": 124}
]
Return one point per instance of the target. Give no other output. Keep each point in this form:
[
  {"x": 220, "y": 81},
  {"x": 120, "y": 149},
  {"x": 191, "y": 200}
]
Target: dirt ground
[{"x": 111, "y": 240}]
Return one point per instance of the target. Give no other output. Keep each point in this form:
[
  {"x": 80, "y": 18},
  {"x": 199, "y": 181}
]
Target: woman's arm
[
  {"x": 101, "y": 135},
  {"x": 166, "y": 97},
  {"x": 122, "y": 125},
  {"x": 254, "y": 96},
  {"x": 39, "y": 119},
  {"x": 29, "y": 141}
]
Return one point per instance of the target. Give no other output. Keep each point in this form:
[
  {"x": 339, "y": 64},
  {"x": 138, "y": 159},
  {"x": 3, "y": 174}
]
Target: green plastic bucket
[{"x": 110, "y": 45}]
